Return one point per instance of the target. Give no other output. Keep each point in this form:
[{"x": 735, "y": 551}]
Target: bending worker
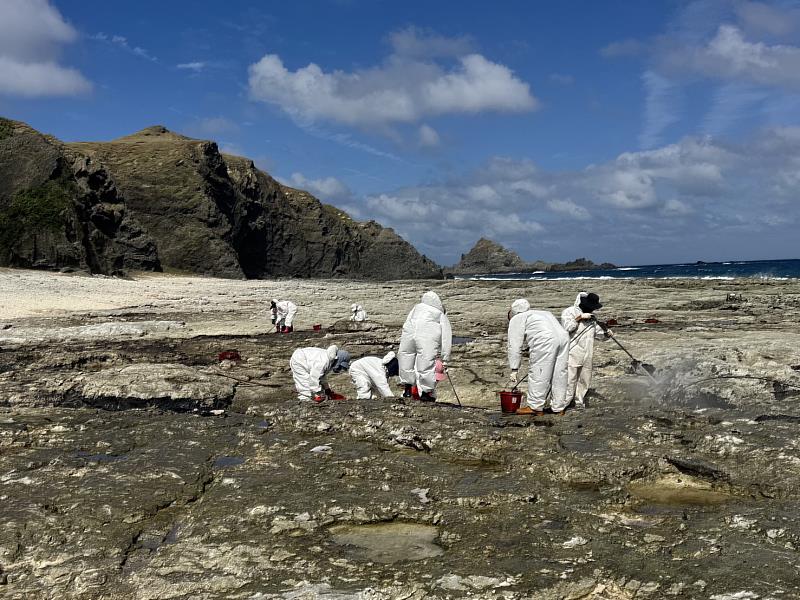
[
  {"x": 371, "y": 374},
  {"x": 283, "y": 312},
  {"x": 310, "y": 367},
  {"x": 357, "y": 313},
  {"x": 548, "y": 346},
  {"x": 426, "y": 335},
  {"x": 582, "y": 327}
]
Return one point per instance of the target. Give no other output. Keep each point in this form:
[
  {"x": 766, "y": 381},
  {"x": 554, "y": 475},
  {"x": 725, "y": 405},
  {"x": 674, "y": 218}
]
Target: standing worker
[
  {"x": 371, "y": 374},
  {"x": 283, "y": 312},
  {"x": 310, "y": 367},
  {"x": 548, "y": 346},
  {"x": 358, "y": 314},
  {"x": 578, "y": 320},
  {"x": 426, "y": 335}
]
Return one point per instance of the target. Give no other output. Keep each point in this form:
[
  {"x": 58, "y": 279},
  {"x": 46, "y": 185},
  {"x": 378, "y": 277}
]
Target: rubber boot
[
  {"x": 407, "y": 390},
  {"x": 427, "y": 397}
]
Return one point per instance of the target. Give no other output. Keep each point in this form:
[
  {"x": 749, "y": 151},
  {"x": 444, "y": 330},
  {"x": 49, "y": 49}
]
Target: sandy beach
[{"x": 134, "y": 465}]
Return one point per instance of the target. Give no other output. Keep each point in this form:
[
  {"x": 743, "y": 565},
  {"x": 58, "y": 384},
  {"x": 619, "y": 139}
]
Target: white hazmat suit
[
  {"x": 309, "y": 368},
  {"x": 284, "y": 312},
  {"x": 369, "y": 375},
  {"x": 548, "y": 345},
  {"x": 426, "y": 334},
  {"x": 581, "y": 351},
  {"x": 358, "y": 315}
]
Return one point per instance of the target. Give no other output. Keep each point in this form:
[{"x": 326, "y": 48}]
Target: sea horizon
[{"x": 772, "y": 269}]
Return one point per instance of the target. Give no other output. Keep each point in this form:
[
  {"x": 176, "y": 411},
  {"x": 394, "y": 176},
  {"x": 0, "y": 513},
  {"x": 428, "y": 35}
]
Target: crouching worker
[
  {"x": 357, "y": 313},
  {"x": 582, "y": 327},
  {"x": 371, "y": 374},
  {"x": 426, "y": 335},
  {"x": 310, "y": 367},
  {"x": 548, "y": 347},
  {"x": 283, "y": 313}
]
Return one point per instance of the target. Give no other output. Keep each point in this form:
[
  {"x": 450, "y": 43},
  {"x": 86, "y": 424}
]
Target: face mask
[{"x": 392, "y": 368}]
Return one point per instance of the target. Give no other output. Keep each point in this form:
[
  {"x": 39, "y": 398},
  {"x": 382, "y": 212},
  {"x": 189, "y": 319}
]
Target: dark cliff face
[
  {"x": 61, "y": 209},
  {"x": 219, "y": 215}
]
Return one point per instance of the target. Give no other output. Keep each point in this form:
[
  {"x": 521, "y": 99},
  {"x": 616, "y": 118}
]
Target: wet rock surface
[{"x": 139, "y": 466}]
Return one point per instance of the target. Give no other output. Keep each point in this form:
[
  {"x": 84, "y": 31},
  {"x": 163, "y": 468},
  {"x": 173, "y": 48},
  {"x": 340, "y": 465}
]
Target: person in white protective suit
[
  {"x": 310, "y": 367},
  {"x": 283, "y": 313},
  {"x": 582, "y": 328},
  {"x": 426, "y": 335},
  {"x": 371, "y": 374},
  {"x": 548, "y": 346},
  {"x": 357, "y": 313}
]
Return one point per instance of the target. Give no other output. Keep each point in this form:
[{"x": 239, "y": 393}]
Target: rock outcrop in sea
[
  {"x": 487, "y": 256},
  {"x": 156, "y": 199}
]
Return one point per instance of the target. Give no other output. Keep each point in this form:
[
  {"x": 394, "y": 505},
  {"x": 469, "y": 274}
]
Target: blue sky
[{"x": 634, "y": 132}]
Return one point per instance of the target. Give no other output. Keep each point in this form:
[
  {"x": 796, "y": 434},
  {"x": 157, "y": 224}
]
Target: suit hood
[
  {"x": 520, "y": 306},
  {"x": 432, "y": 299}
]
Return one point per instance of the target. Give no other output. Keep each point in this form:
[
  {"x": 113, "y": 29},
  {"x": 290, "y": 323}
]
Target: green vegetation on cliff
[{"x": 36, "y": 209}]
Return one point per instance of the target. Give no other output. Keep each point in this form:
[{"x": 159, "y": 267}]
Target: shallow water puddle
[
  {"x": 100, "y": 457},
  {"x": 228, "y": 461},
  {"x": 677, "y": 491},
  {"x": 388, "y": 542},
  {"x": 460, "y": 340}
]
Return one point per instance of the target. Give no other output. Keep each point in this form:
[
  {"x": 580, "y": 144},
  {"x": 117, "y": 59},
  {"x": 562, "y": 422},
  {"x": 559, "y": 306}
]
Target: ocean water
[{"x": 759, "y": 269}]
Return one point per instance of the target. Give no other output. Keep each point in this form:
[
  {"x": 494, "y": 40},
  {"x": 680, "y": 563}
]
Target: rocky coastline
[{"x": 134, "y": 464}]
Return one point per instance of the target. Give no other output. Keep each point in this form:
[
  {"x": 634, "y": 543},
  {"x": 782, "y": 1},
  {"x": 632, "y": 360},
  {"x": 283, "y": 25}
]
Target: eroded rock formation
[
  {"x": 158, "y": 199},
  {"x": 217, "y": 214},
  {"x": 62, "y": 209}
]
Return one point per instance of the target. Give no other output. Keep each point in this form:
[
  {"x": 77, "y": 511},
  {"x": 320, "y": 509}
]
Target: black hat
[{"x": 590, "y": 302}]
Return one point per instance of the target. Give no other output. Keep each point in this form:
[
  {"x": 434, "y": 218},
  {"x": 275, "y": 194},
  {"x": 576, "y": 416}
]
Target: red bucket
[
  {"x": 510, "y": 401},
  {"x": 229, "y": 355},
  {"x": 317, "y": 327}
]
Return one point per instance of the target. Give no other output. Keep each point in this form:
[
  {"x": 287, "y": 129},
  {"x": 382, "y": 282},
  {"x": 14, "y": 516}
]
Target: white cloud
[
  {"x": 403, "y": 89},
  {"x": 345, "y": 139},
  {"x": 562, "y": 78},
  {"x": 732, "y": 103},
  {"x": 327, "y": 189},
  {"x": 32, "y": 33},
  {"x": 39, "y": 79},
  {"x": 196, "y": 66},
  {"x": 627, "y": 188},
  {"x": 428, "y": 136},
  {"x": 568, "y": 208},
  {"x": 759, "y": 17},
  {"x": 640, "y": 206},
  {"x": 745, "y": 54},
  {"x": 122, "y": 42},
  {"x": 675, "y": 208},
  {"x": 629, "y": 47},
  {"x": 663, "y": 101},
  {"x": 728, "y": 56},
  {"x": 422, "y": 43}
]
